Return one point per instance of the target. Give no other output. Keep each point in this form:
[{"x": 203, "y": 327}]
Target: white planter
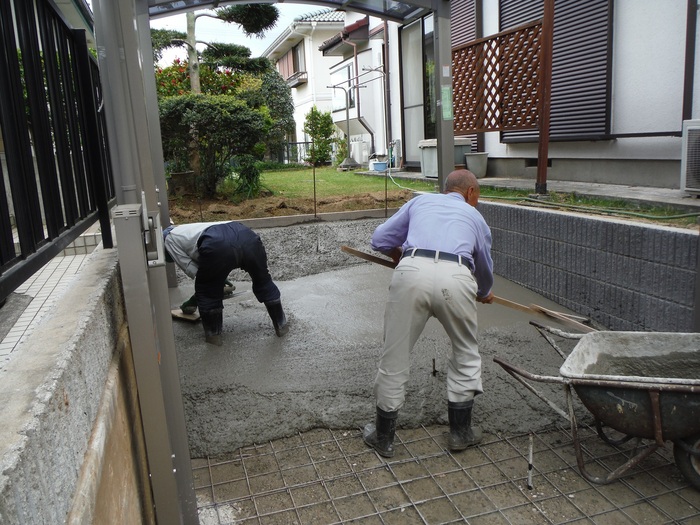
[{"x": 476, "y": 163}]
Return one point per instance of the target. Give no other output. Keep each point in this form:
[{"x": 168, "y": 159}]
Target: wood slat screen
[
  {"x": 581, "y": 66},
  {"x": 496, "y": 81},
  {"x": 463, "y": 22}
]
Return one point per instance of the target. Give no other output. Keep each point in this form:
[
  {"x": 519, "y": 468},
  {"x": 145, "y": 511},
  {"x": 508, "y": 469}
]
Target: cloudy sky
[{"x": 210, "y": 30}]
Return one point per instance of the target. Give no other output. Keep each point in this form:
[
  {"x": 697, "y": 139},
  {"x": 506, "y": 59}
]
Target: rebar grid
[{"x": 331, "y": 477}]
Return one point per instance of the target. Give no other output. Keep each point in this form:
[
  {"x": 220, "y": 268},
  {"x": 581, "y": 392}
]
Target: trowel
[{"x": 193, "y": 318}]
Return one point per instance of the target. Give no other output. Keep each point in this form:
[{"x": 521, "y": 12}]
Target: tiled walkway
[
  {"x": 43, "y": 287},
  {"x": 331, "y": 477}
]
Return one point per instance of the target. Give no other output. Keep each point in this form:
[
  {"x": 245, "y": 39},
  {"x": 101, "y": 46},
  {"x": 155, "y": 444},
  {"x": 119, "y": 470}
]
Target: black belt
[{"x": 441, "y": 256}]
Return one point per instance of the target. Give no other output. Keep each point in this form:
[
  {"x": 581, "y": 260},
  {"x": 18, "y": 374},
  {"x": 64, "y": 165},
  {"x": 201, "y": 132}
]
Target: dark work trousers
[{"x": 223, "y": 248}]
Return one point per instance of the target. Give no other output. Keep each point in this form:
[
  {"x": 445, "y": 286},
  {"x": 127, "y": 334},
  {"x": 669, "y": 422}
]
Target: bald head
[{"x": 460, "y": 181}]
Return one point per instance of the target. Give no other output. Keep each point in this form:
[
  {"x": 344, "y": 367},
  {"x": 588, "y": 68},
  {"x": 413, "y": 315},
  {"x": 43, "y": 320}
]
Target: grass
[
  {"x": 330, "y": 182},
  {"x": 598, "y": 206},
  {"x": 324, "y": 182}
]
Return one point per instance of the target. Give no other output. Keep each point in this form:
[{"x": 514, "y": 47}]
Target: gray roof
[{"x": 324, "y": 15}]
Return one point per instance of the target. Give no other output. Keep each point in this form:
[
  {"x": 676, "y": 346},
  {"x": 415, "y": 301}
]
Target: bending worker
[
  {"x": 442, "y": 246},
  {"x": 207, "y": 252}
]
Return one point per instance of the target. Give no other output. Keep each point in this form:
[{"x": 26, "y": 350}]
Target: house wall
[
  {"x": 315, "y": 91},
  {"x": 647, "y": 94}
]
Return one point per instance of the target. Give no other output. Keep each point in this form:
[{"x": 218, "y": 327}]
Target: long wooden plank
[
  {"x": 369, "y": 257},
  {"x": 563, "y": 318},
  {"x": 569, "y": 320},
  {"x": 512, "y": 304}
]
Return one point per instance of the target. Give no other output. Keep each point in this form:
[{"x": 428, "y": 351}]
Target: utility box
[
  {"x": 428, "y": 155},
  {"x": 428, "y": 158}
]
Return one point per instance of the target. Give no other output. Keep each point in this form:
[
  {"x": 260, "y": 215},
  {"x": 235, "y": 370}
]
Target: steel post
[{"x": 443, "y": 91}]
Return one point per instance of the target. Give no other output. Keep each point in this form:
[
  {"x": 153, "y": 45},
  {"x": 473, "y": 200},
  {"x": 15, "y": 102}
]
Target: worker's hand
[
  {"x": 395, "y": 254},
  {"x": 486, "y": 300}
]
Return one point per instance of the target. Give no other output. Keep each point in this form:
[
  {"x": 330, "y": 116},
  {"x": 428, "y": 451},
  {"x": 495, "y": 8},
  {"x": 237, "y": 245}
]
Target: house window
[
  {"x": 292, "y": 66},
  {"x": 581, "y": 66},
  {"x": 343, "y": 78},
  {"x": 418, "y": 86},
  {"x": 298, "y": 57}
]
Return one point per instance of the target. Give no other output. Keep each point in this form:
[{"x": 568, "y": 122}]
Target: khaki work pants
[{"x": 422, "y": 288}]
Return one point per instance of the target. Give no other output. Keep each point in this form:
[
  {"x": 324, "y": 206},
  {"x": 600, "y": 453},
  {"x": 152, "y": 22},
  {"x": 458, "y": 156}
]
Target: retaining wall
[
  {"x": 624, "y": 275},
  {"x": 71, "y": 447}
]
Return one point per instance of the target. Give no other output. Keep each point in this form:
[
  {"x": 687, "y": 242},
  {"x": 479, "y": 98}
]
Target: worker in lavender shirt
[{"x": 442, "y": 246}]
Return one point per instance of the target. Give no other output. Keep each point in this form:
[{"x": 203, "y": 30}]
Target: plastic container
[{"x": 379, "y": 166}]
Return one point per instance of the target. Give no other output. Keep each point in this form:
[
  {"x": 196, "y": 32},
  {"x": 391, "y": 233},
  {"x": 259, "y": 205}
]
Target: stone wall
[
  {"x": 70, "y": 439},
  {"x": 623, "y": 275}
]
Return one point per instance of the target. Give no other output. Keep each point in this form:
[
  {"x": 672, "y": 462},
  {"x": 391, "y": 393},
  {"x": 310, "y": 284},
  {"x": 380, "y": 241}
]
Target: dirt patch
[{"x": 190, "y": 208}]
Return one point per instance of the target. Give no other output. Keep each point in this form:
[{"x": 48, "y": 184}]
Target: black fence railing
[
  {"x": 56, "y": 176},
  {"x": 296, "y": 152}
]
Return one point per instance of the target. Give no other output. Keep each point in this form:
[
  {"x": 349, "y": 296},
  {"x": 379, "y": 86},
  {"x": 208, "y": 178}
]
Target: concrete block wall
[{"x": 624, "y": 275}]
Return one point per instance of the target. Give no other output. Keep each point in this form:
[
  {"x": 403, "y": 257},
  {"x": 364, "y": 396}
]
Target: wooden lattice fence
[{"x": 496, "y": 81}]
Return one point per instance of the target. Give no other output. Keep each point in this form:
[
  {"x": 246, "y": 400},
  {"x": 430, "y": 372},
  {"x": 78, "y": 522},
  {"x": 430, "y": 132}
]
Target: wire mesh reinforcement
[{"x": 331, "y": 477}]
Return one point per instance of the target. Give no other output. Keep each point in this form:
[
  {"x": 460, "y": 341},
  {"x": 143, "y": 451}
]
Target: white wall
[
  {"x": 314, "y": 92},
  {"x": 647, "y": 84}
]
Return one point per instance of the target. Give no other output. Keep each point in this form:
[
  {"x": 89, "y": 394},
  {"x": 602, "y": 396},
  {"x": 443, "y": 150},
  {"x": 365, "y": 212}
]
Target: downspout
[
  {"x": 387, "y": 90},
  {"x": 690, "y": 39},
  {"x": 478, "y": 15},
  {"x": 313, "y": 84}
]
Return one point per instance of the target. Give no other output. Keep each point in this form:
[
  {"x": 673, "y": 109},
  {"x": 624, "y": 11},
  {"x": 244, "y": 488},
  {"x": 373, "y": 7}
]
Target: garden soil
[{"x": 190, "y": 208}]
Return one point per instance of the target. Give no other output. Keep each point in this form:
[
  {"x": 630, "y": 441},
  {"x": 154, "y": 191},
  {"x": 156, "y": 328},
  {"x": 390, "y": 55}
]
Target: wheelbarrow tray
[{"x": 643, "y": 384}]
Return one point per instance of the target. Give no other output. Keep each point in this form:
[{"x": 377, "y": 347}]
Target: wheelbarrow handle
[
  {"x": 519, "y": 374},
  {"x": 534, "y": 377}
]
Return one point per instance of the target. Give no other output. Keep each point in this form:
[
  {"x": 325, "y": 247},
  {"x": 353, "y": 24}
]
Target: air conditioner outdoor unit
[{"x": 690, "y": 157}]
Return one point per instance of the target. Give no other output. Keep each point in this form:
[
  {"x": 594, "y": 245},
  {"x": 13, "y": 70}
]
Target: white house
[
  {"x": 623, "y": 82},
  {"x": 306, "y": 70}
]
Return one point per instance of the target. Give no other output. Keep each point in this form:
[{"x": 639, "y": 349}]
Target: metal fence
[
  {"x": 296, "y": 152},
  {"x": 56, "y": 176}
]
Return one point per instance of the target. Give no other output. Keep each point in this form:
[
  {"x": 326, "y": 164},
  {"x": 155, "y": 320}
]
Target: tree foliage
[
  {"x": 222, "y": 69},
  {"x": 320, "y": 128},
  {"x": 175, "y": 80},
  {"x": 234, "y": 57},
  {"x": 163, "y": 39},
  {"x": 254, "y": 19},
  {"x": 216, "y": 127}
]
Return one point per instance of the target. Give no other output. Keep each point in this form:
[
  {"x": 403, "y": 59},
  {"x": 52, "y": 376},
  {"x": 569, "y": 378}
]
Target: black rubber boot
[
  {"x": 462, "y": 434},
  {"x": 380, "y": 435},
  {"x": 279, "y": 320},
  {"x": 212, "y": 322}
]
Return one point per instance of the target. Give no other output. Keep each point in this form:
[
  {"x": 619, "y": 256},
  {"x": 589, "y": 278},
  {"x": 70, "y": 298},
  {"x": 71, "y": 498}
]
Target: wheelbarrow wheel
[{"x": 686, "y": 453}]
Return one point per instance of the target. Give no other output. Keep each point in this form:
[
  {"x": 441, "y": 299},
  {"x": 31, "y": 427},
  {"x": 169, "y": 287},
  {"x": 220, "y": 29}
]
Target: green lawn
[
  {"x": 328, "y": 182},
  {"x": 331, "y": 182}
]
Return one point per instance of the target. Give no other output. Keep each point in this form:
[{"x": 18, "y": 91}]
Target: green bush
[
  {"x": 213, "y": 129},
  {"x": 269, "y": 165},
  {"x": 320, "y": 128}
]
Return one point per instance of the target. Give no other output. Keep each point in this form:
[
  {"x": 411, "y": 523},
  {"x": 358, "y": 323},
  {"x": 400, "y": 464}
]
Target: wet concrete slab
[{"x": 258, "y": 387}]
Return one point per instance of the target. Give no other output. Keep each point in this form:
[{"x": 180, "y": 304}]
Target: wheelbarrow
[{"x": 644, "y": 385}]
